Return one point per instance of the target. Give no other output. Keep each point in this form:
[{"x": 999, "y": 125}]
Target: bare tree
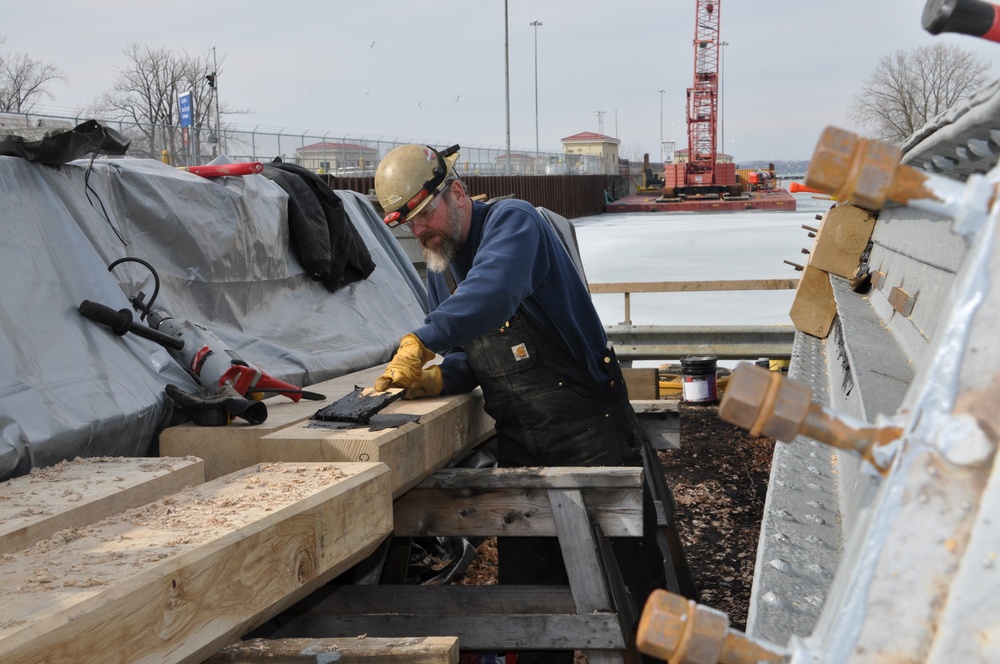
[
  {"x": 146, "y": 93},
  {"x": 910, "y": 87},
  {"x": 24, "y": 81}
]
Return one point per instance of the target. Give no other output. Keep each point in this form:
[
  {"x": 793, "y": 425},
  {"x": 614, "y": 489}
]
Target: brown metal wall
[{"x": 571, "y": 196}]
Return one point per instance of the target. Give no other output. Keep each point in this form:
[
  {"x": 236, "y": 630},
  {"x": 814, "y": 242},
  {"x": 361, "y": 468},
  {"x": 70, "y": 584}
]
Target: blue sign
[{"x": 184, "y": 105}]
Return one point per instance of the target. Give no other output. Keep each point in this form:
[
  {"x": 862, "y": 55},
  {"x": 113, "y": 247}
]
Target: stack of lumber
[
  {"x": 114, "y": 560},
  {"x": 174, "y": 559}
]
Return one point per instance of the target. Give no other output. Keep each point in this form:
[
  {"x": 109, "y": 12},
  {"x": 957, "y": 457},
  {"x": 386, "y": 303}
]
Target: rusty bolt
[
  {"x": 676, "y": 629},
  {"x": 792, "y": 405},
  {"x": 855, "y": 169},
  {"x": 763, "y": 402},
  {"x": 744, "y": 395}
]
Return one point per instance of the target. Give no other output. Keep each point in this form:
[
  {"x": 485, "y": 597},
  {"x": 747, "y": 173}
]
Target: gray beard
[{"x": 439, "y": 259}]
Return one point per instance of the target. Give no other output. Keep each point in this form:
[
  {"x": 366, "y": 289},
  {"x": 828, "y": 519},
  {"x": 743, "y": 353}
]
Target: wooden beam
[
  {"x": 477, "y": 631},
  {"x": 435, "y": 600},
  {"x": 642, "y": 383},
  {"x": 660, "y": 421},
  {"x": 353, "y": 650},
  {"x": 73, "y": 494},
  {"x": 515, "y": 502},
  {"x": 448, "y": 426},
  {"x": 548, "y": 477},
  {"x": 180, "y": 578},
  {"x": 694, "y": 286},
  {"x": 190, "y": 439}
]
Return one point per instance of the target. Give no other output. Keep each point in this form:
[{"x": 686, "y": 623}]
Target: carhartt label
[{"x": 520, "y": 352}]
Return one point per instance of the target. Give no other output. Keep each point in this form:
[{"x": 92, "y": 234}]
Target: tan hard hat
[{"x": 409, "y": 177}]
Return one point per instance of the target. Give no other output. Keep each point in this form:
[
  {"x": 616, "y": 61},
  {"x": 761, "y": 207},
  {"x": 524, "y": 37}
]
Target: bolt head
[
  {"x": 791, "y": 407},
  {"x": 744, "y": 395},
  {"x": 852, "y": 168}
]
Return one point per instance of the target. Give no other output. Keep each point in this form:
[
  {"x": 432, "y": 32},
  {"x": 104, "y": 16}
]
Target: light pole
[
  {"x": 506, "y": 77},
  {"x": 535, "y": 25},
  {"x": 722, "y": 80},
  {"x": 661, "y": 124}
]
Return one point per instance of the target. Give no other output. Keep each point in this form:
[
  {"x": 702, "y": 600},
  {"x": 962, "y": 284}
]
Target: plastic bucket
[{"x": 698, "y": 376}]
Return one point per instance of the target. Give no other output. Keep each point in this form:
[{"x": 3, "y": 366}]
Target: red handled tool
[{"x": 219, "y": 170}]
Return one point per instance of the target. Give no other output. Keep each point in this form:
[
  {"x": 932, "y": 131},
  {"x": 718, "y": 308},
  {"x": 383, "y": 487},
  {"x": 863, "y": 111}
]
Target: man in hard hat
[{"x": 509, "y": 312}]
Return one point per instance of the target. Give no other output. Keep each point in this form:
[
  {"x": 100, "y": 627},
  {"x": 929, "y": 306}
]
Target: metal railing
[
  {"x": 728, "y": 342},
  {"x": 334, "y": 153},
  {"x": 689, "y": 286}
]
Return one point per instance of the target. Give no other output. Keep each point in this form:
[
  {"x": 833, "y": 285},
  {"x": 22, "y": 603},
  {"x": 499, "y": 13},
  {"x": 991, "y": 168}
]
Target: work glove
[
  {"x": 428, "y": 385},
  {"x": 406, "y": 366}
]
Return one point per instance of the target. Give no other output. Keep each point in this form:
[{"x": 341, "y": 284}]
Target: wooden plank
[
  {"x": 475, "y": 632},
  {"x": 576, "y": 540},
  {"x": 814, "y": 307},
  {"x": 73, "y": 494},
  {"x": 548, "y": 477},
  {"x": 642, "y": 383},
  {"x": 485, "y": 502},
  {"x": 220, "y": 446},
  {"x": 842, "y": 239},
  {"x": 180, "y": 578},
  {"x": 660, "y": 421},
  {"x": 435, "y": 600},
  {"x": 694, "y": 286},
  {"x": 447, "y": 427},
  {"x": 353, "y": 650}
]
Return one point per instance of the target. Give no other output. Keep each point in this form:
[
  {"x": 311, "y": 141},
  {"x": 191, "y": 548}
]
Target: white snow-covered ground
[{"x": 646, "y": 247}]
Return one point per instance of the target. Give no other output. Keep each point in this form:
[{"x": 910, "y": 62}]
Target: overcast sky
[{"x": 434, "y": 70}]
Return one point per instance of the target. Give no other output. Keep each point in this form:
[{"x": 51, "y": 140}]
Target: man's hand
[
  {"x": 429, "y": 384},
  {"x": 406, "y": 366}
]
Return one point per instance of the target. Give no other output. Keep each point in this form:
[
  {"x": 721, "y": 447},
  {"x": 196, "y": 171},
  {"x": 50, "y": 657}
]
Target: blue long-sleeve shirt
[{"x": 511, "y": 257}]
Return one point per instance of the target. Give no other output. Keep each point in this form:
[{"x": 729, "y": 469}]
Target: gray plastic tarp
[{"x": 71, "y": 387}]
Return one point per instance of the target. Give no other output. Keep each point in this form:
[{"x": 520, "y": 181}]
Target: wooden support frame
[{"x": 577, "y": 505}]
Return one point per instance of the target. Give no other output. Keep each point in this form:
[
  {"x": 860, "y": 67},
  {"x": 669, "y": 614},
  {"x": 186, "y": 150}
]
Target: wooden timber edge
[{"x": 413, "y": 650}]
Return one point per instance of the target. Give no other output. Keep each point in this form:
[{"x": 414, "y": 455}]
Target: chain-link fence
[{"x": 339, "y": 154}]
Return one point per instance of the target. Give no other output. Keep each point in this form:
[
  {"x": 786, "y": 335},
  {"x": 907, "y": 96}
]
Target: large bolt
[
  {"x": 764, "y": 402},
  {"x": 682, "y": 632},
  {"x": 863, "y": 171}
]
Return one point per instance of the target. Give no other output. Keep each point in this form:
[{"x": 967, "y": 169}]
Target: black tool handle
[
  {"x": 967, "y": 17},
  {"x": 121, "y": 323}
]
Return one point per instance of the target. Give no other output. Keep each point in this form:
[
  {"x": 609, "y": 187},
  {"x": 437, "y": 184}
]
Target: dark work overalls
[{"x": 550, "y": 411}]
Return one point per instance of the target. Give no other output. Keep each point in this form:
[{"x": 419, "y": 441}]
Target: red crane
[{"x": 703, "y": 97}]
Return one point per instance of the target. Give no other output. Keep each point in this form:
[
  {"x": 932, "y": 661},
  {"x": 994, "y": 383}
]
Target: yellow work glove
[
  {"x": 405, "y": 368},
  {"x": 429, "y": 384}
]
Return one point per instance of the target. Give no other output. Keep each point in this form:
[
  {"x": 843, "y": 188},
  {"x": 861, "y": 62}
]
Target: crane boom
[{"x": 703, "y": 96}]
